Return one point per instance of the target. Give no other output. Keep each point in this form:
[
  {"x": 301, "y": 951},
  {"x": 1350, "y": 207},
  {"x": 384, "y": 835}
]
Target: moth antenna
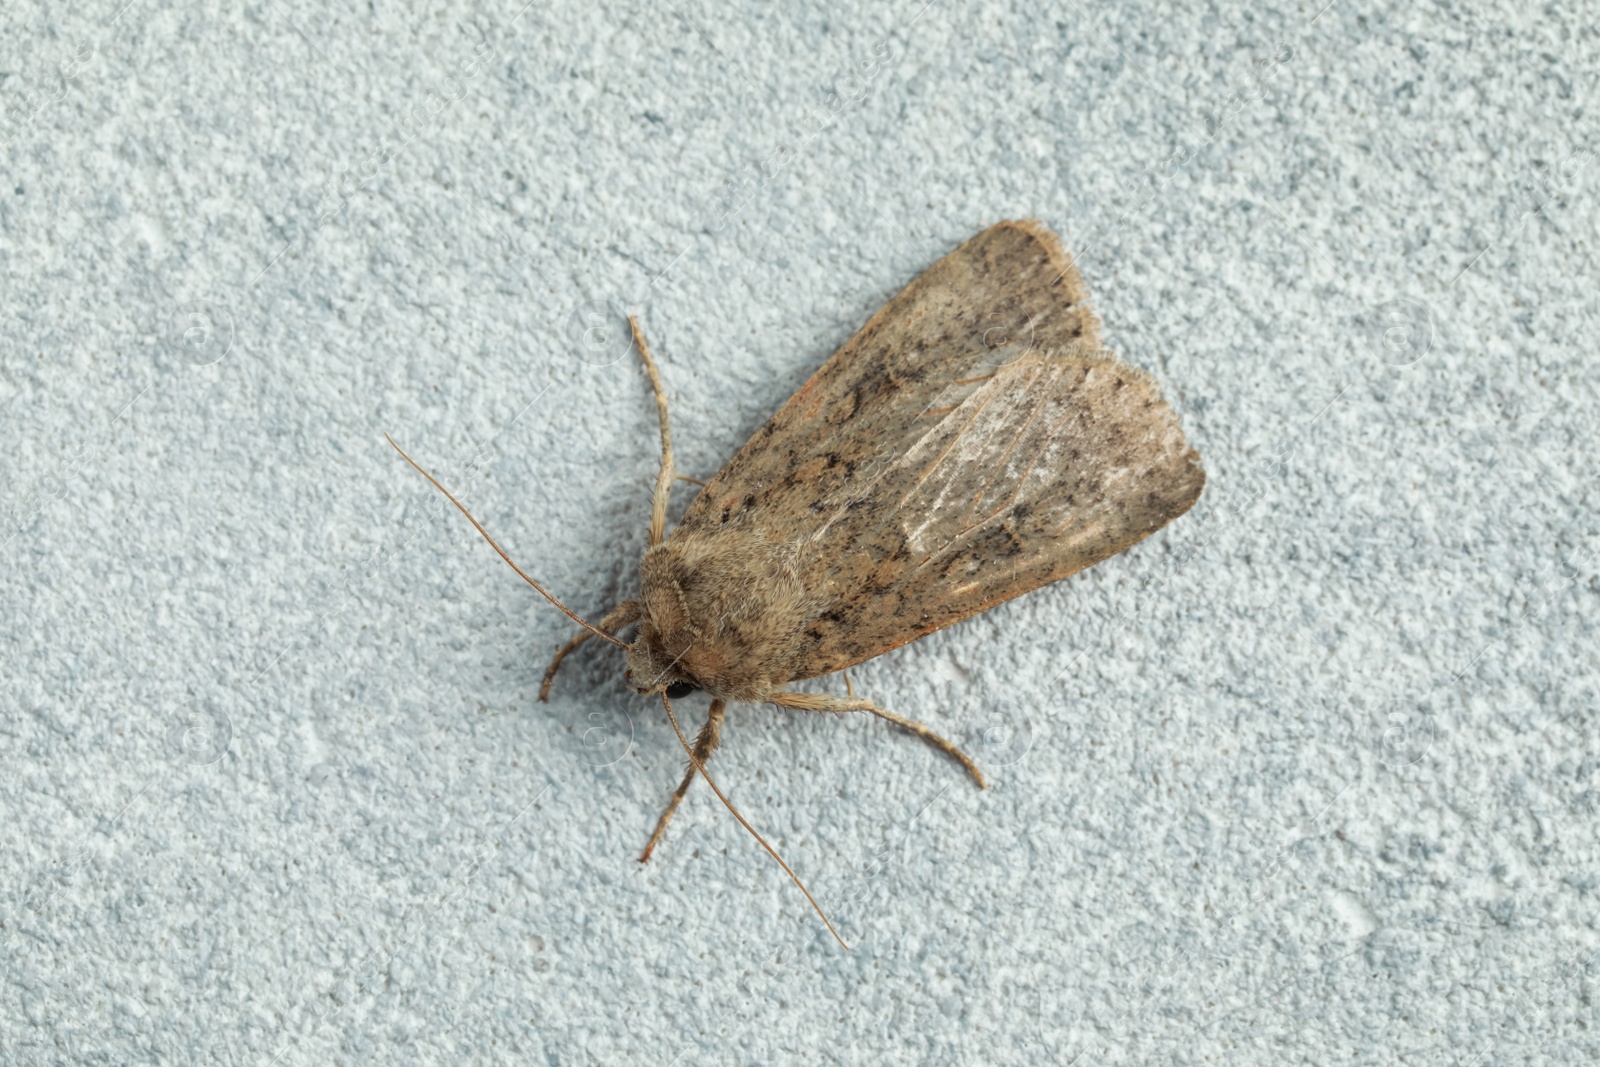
[
  {"x": 476, "y": 525},
  {"x": 684, "y": 741}
]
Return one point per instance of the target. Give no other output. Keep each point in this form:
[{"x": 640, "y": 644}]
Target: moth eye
[{"x": 679, "y": 690}]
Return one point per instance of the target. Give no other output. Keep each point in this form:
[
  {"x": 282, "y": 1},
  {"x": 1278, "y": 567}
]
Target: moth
[{"x": 972, "y": 442}]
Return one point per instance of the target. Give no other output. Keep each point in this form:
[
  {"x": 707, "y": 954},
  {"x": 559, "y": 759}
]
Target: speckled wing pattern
[{"x": 972, "y": 442}]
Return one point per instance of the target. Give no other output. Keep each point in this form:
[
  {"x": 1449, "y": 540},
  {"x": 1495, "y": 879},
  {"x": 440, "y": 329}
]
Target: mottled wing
[{"x": 970, "y": 443}]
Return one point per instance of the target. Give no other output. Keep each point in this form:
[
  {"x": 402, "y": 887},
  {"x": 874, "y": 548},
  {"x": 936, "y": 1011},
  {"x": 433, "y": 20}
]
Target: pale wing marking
[
  {"x": 1011, "y": 499},
  {"x": 942, "y": 453},
  {"x": 1000, "y": 462},
  {"x": 1035, "y": 463},
  {"x": 854, "y": 494}
]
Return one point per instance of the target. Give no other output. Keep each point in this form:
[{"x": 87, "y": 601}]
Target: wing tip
[
  {"x": 1197, "y": 471},
  {"x": 1182, "y": 452},
  {"x": 1063, "y": 263}
]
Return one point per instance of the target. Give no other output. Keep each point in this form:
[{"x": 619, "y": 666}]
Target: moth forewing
[{"x": 930, "y": 477}]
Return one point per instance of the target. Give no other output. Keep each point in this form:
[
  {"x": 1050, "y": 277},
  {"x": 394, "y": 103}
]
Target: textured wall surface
[{"x": 1310, "y": 776}]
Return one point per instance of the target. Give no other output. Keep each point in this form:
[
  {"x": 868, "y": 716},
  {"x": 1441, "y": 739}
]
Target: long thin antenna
[
  {"x": 543, "y": 591},
  {"x": 701, "y": 767}
]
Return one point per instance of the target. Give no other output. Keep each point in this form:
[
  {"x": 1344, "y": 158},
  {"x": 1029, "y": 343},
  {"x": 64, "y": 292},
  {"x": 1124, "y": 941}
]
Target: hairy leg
[
  {"x": 629, "y": 610},
  {"x": 615, "y": 619},
  {"x": 826, "y": 702},
  {"x": 658, "y": 506},
  {"x": 704, "y": 744}
]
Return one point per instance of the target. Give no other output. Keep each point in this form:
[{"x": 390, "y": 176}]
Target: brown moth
[{"x": 972, "y": 442}]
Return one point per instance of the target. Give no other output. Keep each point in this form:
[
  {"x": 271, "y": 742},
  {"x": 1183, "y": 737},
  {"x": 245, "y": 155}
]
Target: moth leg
[
  {"x": 658, "y": 506},
  {"x": 705, "y": 743},
  {"x": 615, "y": 619},
  {"x": 825, "y": 702},
  {"x": 686, "y": 478}
]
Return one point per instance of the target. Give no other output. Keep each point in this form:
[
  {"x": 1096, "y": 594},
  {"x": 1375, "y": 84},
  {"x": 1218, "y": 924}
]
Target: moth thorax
[{"x": 722, "y": 610}]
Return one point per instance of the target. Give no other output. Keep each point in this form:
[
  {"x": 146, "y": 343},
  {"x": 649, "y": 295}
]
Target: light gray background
[{"x": 1308, "y": 777}]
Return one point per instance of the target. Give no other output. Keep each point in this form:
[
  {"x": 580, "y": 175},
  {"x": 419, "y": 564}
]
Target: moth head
[
  {"x": 653, "y": 666},
  {"x": 664, "y": 656}
]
